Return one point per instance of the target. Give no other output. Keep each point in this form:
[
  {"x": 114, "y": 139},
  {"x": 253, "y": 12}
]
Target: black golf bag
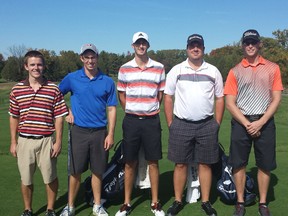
[{"x": 112, "y": 179}]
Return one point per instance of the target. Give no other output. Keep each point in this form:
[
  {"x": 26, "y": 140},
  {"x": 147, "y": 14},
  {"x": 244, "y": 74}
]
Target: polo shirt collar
[
  {"x": 149, "y": 63},
  {"x": 99, "y": 75},
  {"x": 202, "y": 67},
  {"x": 44, "y": 81},
  {"x": 245, "y": 63}
]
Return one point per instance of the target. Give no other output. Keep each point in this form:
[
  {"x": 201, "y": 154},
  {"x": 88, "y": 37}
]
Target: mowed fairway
[{"x": 11, "y": 200}]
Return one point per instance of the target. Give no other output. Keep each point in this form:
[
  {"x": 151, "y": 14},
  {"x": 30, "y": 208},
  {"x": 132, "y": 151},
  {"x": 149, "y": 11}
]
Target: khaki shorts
[{"x": 32, "y": 152}]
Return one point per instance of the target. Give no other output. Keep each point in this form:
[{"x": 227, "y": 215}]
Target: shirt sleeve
[
  {"x": 65, "y": 85},
  {"x": 171, "y": 81},
  {"x": 231, "y": 87},
  {"x": 121, "y": 84},
  {"x": 218, "y": 84},
  {"x": 277, "y": 84}
]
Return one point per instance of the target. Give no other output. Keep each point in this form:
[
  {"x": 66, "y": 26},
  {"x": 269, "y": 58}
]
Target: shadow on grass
[{"x": 61, "y": 202}]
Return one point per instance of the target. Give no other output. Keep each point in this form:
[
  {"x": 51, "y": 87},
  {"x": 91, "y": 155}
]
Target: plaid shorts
[{"x": 193, "y": 141}]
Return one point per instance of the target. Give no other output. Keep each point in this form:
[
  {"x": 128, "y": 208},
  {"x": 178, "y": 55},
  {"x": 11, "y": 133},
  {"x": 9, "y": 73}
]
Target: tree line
[{"x": 224, "y": 58}]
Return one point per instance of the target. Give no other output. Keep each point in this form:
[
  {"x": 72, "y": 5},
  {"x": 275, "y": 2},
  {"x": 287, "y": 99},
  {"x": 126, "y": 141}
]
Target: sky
[{"x": 58, "y": 25}]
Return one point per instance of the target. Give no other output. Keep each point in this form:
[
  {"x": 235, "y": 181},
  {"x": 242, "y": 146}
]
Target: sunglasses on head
[{"x": 248, "y": 42}]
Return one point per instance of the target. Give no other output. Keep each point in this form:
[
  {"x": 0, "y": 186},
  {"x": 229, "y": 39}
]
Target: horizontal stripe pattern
[
  {"x": 36, "y": 110},
  {"x": 141, "y": 86}
]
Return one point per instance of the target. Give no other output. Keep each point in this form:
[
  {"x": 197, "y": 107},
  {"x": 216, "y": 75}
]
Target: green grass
[{"x": 11, "y": 199}]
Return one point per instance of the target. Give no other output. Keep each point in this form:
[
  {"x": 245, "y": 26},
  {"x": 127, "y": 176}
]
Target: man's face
[
  {"x": 34, "y": 67},
  {"x": 140, "y": 47},
  {"x": 251, "y": 47},
  {"x": 195, "y": 51},
  {"x": 89, "y": 59}
]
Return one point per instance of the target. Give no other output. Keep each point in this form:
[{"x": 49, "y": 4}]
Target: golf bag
[
  {"x": 112, "y": 179},
  {"x": 226, "y": 185}
]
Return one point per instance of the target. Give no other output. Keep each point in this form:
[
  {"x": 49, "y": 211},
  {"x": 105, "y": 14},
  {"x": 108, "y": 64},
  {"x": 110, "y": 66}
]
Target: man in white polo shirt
[{"x": 196, "y": 86}]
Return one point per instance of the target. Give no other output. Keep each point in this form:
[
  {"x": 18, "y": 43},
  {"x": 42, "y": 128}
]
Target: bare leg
[
  {"x": 179, "y": 178},
  {"x": 27, "y": 193},
  {"x": 154, "y": 179},
  {"x": 51, "y": 190},
  {"x": 205, "y": 178},
  {"x": 129, "y": 180},
  {"x": 240, "y": 180},
  {"x": 263, "y": 178},
  {"x": 74, "y": 185},
  {"x": 96, "y": 183}
]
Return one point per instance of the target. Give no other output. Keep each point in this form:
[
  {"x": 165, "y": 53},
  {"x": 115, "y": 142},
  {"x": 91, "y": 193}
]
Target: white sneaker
[
  {"x": 68, "y": 211},
  {"x": 99, "y": 210},
  {"x": 156, "y": 209},
  {"x": 124, "y": 210}
]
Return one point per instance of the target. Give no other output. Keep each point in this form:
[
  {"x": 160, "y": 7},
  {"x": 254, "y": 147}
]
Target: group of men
[{"x": 193, "y": 94}]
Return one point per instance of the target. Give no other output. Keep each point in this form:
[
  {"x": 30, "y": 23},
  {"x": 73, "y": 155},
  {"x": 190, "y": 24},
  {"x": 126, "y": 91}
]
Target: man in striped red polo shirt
[
  {"x": 140, "y": 88},
  {"x": 36, "y": 111},
  {"x": 253, "y": 93}
]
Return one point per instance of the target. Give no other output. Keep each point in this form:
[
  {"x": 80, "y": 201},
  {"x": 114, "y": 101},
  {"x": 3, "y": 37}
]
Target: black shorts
[
  {"x": 145, "y": 132},
  {"x": 264, "y": 146},
  {"x": 193, "y": 141},
  {"x": 87, "y": 148}
]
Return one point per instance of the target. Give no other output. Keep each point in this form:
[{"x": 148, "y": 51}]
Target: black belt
[
  {"x": 196, "y": 122},
  {"x": 34, "y": 137},
  {"x": 253, "y": 117},
  {"x": 141, "y": 117}
]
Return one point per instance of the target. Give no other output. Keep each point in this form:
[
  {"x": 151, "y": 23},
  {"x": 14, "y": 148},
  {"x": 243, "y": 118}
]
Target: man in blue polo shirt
[{"x": 92, "y": 92}]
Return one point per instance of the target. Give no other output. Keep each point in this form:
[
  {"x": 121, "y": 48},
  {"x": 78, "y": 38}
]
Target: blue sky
[{"x": 110, "y": 24}]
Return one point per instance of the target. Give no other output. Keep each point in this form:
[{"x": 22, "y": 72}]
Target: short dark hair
[{"x": 33, "y": 53}]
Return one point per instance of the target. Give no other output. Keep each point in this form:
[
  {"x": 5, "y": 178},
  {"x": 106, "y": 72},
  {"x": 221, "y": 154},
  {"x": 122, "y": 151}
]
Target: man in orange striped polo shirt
[
  {"x": 36, "y": 111},
  {"x": 140, "y": 88},
  {"x": 253, "y": 93}
]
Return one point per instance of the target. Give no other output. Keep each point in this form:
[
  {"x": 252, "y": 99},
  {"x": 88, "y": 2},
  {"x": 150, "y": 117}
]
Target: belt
[
  {"x": 34, "y": 137},
  {"x": 141, "y": 117},
  {"x": 91, "y": 129},
  {"x": 198, "y": 121},
  {"x": 253, "y": 117}
]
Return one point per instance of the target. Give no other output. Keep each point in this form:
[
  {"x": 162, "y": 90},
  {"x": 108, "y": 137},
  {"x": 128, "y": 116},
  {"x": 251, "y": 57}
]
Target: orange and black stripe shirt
[
  {"x": 36, "y": 110},
  {"x": 253, "y": 85}
]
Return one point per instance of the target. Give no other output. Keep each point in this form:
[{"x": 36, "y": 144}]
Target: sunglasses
[{"x": 252, "y": 42}]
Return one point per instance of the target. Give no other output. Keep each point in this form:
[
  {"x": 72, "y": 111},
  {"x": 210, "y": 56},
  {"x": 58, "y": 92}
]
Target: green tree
[
  {"x": 69, "y": 61},
  {"x": 282, "y": 37},
  {"x": 18, "y": 52},
  {"x": 10, "y": 72}
]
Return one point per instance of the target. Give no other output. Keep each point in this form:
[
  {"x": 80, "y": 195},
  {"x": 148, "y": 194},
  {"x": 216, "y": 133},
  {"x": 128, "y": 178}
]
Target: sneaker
[
  {"x": 68, "y": 211},
  {"x": 208, "y": 209},
  {"x": 27, "y": 213},
  {"x": 239, "y": 210},
  {"x": 175, "y": 208},
  {"x": 124, "y": 210},
  {"x": 264, "y": 210},
  {"x": 156, "y": 208},
  {"x": 50, "y": 212},
  {"x": 99, "y": 210}
]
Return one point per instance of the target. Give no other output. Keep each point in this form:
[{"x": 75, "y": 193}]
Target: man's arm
[
  {"x": 219, "y": 109},
  {"x": 122, "y": 99},
  {"x": 168, "y": 108},
  {"x": 109, "y": 140},
  {"x": 160, "y": 97},
  {"x": 59, "y": 132},
  {"x": 235, "y": 111},
  {"x": 14, "y": 121}
]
